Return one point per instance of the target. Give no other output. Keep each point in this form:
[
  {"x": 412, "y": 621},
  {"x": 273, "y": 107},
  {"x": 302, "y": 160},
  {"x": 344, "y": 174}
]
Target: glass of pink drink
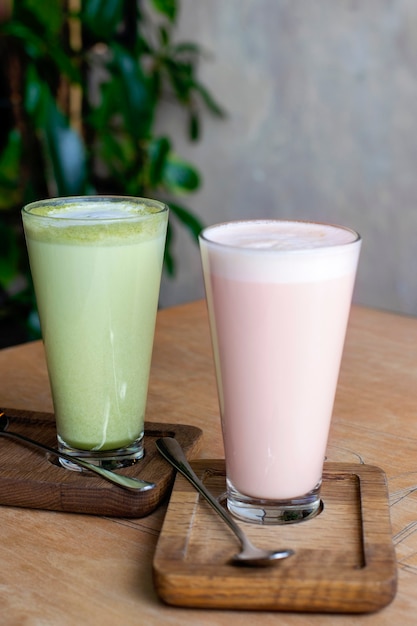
[{"x": 278, "y": 296}]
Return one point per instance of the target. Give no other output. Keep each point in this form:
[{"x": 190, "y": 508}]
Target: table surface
[{"x": 59, "y": 569}]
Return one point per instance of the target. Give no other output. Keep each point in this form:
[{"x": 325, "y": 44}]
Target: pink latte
[{"x": 279, "y": 296}]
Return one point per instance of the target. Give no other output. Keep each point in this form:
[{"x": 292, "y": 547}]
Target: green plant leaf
[
  {"x": 36, "y": 93},
  {"x": 186, "y": 47},
  {"x": 116, "y": 152},
  {"x": 102, "y": 17},
  {"x": 169, "y": 8},
  {"x": 178, "y": 176},
  {"x": 187, "y": 218},
  {"x": 103, "y": 111},
  {"x": 158, "y": 150},
  {"x": 10, "y": 158},
  {"x": 180, "y": 74},
  {"x": 169, "y": 261},
  {"x": 49, "y": 13},
  {"x": 164, "y": 35},
  {"x": 10, "y": 190},
  {"x": 136, "y": 92},
  {"x": 9, "y": 255},
  {"x": 65, "y": 154},
  {"x": 208, "y": 100},
  {"x": 194, "y": 126},
  {"x": 44, "y": 49},
  {"x": 63, "y": 149}
]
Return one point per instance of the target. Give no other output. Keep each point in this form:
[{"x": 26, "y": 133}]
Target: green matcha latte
[{"x": 96, "y": 265}]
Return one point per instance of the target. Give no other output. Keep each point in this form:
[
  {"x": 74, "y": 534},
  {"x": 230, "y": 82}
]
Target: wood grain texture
[
  {"x": 344, "y": 559},
  {"x": 29, "y": 478},
  {"x": 61, "y": 569}
]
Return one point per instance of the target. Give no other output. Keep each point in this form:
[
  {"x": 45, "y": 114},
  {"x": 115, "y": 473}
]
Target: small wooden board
[
  {"x": 344, "y": 558},
  {"x": 28, "y": 478}
]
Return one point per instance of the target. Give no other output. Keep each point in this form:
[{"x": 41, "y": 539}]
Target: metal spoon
[
  {"x": 122, "y": 481},
  {"x": 250, "y": 555}
]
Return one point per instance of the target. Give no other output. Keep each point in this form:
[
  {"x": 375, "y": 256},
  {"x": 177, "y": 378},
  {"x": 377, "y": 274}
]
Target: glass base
[
  {"x": 260, "y": 511},
  {"x": 109, "y": 459}
]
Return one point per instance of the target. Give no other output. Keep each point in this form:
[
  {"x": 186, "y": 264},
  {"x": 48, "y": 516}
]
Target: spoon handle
[
  {"x": 173, "y": 453},
  {"x": 123, "y": 481}
]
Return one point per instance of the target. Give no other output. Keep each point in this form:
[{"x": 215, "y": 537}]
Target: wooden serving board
[
  {"x": 29, "y": 478},
  {"x": 344, "y": 558}
]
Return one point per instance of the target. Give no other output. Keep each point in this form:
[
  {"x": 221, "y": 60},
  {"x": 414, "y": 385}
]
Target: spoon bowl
[
  {"x": 127, "y": 482},
  {"x": 250, "y": 554}
]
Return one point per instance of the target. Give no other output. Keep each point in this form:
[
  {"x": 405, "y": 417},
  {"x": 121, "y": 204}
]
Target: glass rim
[
  {"x": 158, "y": 205},
  {"x": 231, "y": 246}
]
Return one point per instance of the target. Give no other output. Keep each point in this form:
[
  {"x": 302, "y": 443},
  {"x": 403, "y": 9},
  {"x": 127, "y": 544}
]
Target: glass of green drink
[{"x": 96, "y": 264}]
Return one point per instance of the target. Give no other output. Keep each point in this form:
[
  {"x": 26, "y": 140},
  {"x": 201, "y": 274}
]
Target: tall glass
[
  {"x": 96, "y": 264},
  {"x": 278, "y": 296}
]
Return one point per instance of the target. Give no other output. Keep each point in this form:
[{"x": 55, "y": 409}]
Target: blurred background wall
[{"x": 322, "y": 124}]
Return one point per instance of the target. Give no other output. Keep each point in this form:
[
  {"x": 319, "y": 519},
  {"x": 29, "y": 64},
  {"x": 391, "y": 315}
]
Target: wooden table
[{"x": 61, "y": 568}]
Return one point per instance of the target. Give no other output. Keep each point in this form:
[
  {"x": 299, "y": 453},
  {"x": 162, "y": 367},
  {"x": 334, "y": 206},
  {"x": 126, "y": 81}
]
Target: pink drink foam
[{"x": 279, "y": 297}]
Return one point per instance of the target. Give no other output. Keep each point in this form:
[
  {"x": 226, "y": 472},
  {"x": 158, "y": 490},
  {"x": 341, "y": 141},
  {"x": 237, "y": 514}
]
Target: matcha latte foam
[{"x": 96, "y": 264}]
